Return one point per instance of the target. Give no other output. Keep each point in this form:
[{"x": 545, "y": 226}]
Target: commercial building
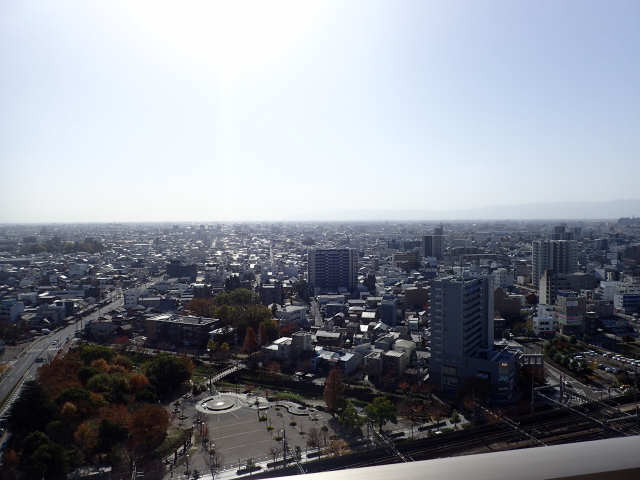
[
  {"x": 549, "y": 285},
  {"x": 179, "y": 330},
  {"x": 332, "y": 270},
  {"x": 178, "y": 269},
  {"x": 544, "y": 321},
  {"x": 502, "y": 278},
  {"x": 557, "y": 255},
  {"x": 301, "y": 342},
  {"x": 294, "y": 315},
  {"x": 461, "y": 319},
  {"x": 272, "y": 293},
  {"x": 552, "y": 282},
  {"x": 389, "y": 311},
  {"x": 432, "y": 245},
  {"x": 10, "y": 309},
  {"x": 570, "y": 310},
  {"x": 406, "y": 260}
]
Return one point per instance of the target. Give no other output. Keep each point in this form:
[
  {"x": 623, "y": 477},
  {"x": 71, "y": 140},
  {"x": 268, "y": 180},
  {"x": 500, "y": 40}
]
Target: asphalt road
[
  {"x": 44, "y": 347},
  {"x": 47, "y": 346}
]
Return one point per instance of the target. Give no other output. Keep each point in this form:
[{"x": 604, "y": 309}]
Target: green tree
[
  {"x": 89, "y": 353},
  {"x": 224, "y": 350},
  {"x": 32, "y": 410},
  {"x": 212, "y": 348},
  {"x": 242, "y": 296},
  {"x": 349, "y": 416},
  {"x": 100, "y": 383},
  {"x": 334, "y": 391},
  {"x": 110, "y": 434},
  {"x": 268, "y": 331},
  {"x": 168, "y": 372},
  {"x": 455, "y": 417},
  {"x": 42, "y": 458},
  {"x": 380, "y": 411}
]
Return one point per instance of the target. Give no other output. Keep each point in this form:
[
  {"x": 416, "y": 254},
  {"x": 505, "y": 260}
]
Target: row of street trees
[{"x": 380, "y": 411}]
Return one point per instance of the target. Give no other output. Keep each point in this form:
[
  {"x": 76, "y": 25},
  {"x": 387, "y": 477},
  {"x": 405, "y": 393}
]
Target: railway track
[
  {"x": 549, "y": 426},
  {"x": 553, "y": 427}
]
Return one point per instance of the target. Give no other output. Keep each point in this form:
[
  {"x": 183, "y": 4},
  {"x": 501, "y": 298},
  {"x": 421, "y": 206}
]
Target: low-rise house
[
  {"x": 394, "y": 362},
  {"x": 329, "y": 339}
]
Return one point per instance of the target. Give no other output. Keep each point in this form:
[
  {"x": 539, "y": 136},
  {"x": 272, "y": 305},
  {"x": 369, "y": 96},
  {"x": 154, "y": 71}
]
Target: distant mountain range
[{"x": 531, "y": 211}]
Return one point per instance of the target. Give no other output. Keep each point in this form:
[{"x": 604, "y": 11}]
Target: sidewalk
[{"x": 230, "y": 473}]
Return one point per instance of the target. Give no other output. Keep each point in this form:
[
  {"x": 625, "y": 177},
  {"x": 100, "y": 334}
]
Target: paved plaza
[{"x": 236, "y": 432}]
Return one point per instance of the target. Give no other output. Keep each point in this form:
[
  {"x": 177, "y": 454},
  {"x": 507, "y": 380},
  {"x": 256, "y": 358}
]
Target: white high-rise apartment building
[{"x": 561, "y": 256}]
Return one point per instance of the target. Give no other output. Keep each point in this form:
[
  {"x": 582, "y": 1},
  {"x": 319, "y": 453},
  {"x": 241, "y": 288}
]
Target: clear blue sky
[{"x": 131, "y": 111}]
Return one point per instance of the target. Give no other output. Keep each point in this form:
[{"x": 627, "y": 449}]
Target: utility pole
[
  {"x": 532, "y": 395},
  {"x": 284, "y": 444}
]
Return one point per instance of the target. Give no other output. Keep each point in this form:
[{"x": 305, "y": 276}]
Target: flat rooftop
[{"x": 183, "y": 319}]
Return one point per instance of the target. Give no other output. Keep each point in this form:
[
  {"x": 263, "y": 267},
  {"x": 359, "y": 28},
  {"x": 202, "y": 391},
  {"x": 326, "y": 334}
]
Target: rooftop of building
[{"x": 183, "y": 319}]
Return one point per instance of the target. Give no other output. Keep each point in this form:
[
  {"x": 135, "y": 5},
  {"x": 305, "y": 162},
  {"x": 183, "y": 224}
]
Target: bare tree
[
  {"x": 313, "y": 439},
  {"x": 325, "y": 431},
  {"x": 214, "y": 462},
  {"x": 275, "y": 453}
]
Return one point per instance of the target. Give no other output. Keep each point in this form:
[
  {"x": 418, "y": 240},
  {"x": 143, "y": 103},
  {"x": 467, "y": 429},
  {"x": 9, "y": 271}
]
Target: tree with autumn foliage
[
  {"x": 250, "y": 343},
  {"x": 86, "y": 437},
  {"x": 148, "y": 427},
  {"x": 88, "y": 405},
  {"x": 10, "y": 462},
  {"x": 334, "y": 391},
  {"x": 138, "y": 382},
  {"x": 262, "y": 334},
  {"x": 202, "y": 307},
  {"x": 268, "y": 331},
  {"x": 59, "y": 375}
]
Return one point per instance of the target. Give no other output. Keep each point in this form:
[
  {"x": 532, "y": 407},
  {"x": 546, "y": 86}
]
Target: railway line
[{"x": 553, "y": 427}]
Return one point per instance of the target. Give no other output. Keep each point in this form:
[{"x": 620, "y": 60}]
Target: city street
[{"x": 45, "y": 348}]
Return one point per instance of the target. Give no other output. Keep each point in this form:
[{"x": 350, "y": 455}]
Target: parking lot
[{"x": 606, "y": 365}]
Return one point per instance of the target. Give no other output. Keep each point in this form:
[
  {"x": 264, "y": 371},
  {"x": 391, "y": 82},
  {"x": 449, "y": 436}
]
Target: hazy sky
[{"x": 277, "y": 110}]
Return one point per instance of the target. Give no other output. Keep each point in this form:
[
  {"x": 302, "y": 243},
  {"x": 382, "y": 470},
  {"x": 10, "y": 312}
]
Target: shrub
[{"x": 292, "y": 397}]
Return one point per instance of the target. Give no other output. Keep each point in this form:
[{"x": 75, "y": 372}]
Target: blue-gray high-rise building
[{"x": 461, "y": 318}]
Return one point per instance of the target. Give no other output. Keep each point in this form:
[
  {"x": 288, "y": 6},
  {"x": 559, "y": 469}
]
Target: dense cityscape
[
  {"x": 319, "y": 240},
  {"x": 268, "y": 349}
]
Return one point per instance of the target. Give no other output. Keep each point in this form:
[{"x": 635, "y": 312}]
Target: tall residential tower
[
  {"x": 561, "y": 256},
  {"x": 332, "y": 270}
]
